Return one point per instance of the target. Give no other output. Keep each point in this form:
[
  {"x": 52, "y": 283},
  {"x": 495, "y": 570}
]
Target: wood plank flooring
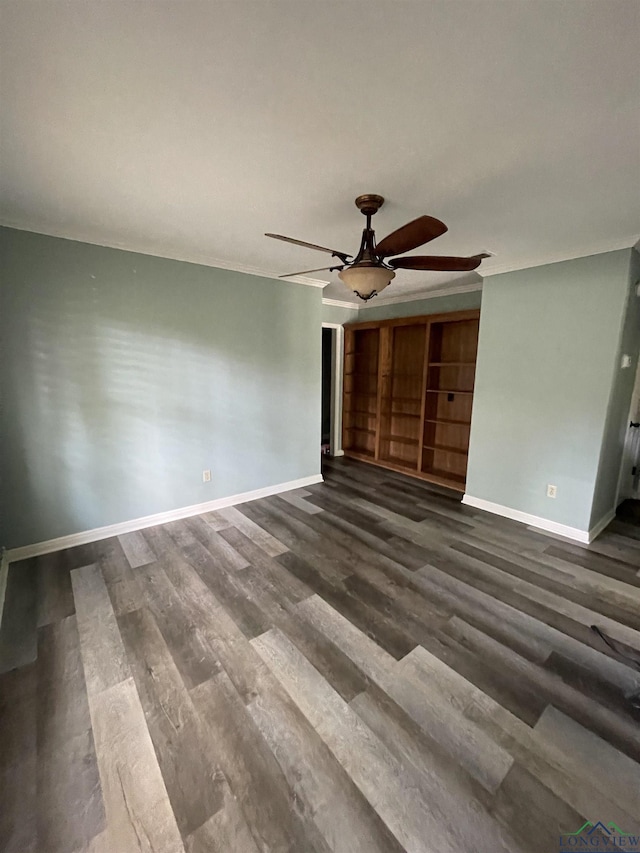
[{"x": 364, "y": 665}]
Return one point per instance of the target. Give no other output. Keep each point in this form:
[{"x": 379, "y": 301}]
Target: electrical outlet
[
  {"x": 551, "y": 491},
  {"x": 206, "y": 476}
]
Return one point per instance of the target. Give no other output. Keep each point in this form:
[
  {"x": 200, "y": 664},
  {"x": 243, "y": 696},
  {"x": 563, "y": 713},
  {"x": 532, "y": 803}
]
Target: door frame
[
  {"x": 337, "y": 361},
  {"x": 631, "y": 447}
]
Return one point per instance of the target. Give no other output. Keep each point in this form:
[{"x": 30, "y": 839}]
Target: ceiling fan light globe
[{"x": 366, "y": 281}]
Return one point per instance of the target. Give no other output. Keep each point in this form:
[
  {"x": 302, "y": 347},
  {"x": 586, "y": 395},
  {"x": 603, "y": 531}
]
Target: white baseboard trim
[
  {"x": 339, "y": 453},
  {"x": 597, "y": 529},
  {"x": 98, "y": 533},
  {"x": 545, "y": 524}
]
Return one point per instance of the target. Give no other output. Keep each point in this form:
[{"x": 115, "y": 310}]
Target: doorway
[
  {"x": 325, "y": 440},
  {"x": 332, "y": 359},
  {"x": 629, "y": 484}
]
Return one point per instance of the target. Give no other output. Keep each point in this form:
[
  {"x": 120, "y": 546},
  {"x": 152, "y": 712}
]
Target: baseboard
[
  {"x": 605, "y": 521},
  {"x": 545, "y": 524},
  {"x": 339, "y": 453},
  {"x": 98, "y": 533}
]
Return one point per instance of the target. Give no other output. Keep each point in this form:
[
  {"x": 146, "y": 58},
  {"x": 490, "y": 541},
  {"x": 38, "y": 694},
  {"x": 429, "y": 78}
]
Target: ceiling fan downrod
[
  {"x": 367, "y": 274},
  {"x": 367, "y": 255}
]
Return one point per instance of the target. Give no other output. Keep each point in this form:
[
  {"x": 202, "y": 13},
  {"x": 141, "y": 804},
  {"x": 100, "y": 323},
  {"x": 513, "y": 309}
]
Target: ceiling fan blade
[
  {"x": 410, "y": 236},
  {"x": 436, "y": 262},
  {"x": 309, "y": 245},
  {"x": 304, "y": 272}
]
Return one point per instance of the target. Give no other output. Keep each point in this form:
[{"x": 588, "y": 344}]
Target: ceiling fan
[{"x": 368, "y": 272}]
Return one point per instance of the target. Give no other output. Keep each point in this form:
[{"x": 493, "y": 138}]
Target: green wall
[
  {"x": 432, "y": 305},
  {"x": 339, "y": 316},
  {"x": 547, "y": 359},
  {"x": 124, "y": 376}
]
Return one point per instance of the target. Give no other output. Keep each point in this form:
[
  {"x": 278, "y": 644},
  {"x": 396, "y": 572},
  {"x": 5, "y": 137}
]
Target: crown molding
[
  {"x": 336, "y": 303},
  {"x": 427, "y": 294},
  {"x": 489, "y": 269},
  {"x": 199, "y": 258}
]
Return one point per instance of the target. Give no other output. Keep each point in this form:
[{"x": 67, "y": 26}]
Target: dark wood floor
[{"x": 363, "y": 666}]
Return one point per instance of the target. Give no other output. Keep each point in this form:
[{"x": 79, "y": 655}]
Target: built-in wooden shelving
[
  {"x": 447, "y": 391},
  {"x": 408, "y": 394}
]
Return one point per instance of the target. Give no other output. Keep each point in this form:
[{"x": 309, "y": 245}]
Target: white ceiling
[{"x": 188, "y": 129}]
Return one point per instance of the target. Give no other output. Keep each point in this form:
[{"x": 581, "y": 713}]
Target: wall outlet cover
[
  {"x": 206, "y": 476},
  {"x": 551, "y": 491}
]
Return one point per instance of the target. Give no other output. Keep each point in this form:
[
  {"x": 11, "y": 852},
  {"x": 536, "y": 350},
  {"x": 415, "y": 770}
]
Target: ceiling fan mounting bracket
[{"x": 369, "y": 203}]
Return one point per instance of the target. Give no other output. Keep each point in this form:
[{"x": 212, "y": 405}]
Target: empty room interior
[{"x": 320, "y": 426}]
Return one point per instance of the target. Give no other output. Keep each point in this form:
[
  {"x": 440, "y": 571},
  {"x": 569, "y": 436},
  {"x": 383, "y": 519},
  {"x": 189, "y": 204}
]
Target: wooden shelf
[
  {"x": 445, "y": 478},
  {"x": 400, "y": 463},
  {"x": 442, "y": 448},
  {"x": 359, "y": 453},
  {"x": 447, "y": 422},
  {"x": 452, "y": 482},
  {"x": 400, "y": 439},
  {"x": 409, "y": 425}
]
